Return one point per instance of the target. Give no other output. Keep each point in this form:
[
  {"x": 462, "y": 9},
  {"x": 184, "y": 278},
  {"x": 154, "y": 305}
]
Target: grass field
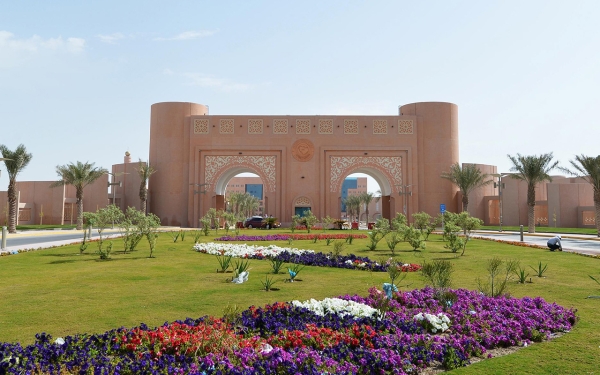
[{"x": 61, "y": 292}]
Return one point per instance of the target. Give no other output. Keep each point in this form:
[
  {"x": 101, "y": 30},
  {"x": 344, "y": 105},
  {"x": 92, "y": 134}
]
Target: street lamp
[
  {"x": 119, "y": 184},
  {"x": 403, "y": 190},
  {"x": 199, "y": 200},
  {"x": 500, "y": 185}
]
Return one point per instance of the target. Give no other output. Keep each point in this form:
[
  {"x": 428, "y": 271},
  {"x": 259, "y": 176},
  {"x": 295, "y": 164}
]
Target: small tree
[
  {"x": 309, "y": 220},
  {"x": 466, "y": 179},
  {"x": 327, "y": 221},
  {"x": 295, "y": 221},
  {"x": 414, "y": 238},
  {"x": 499, "y": 274}
]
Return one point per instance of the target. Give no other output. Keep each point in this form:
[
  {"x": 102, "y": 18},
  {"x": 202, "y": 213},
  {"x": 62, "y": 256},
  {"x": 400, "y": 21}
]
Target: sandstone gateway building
[{"x": 302, "y": 160}]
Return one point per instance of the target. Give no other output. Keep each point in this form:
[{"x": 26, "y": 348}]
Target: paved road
[
  {"x": 48, "y": 238},
  {"x": 577, "y": 243},
  {"x": 586, "y": 244}
]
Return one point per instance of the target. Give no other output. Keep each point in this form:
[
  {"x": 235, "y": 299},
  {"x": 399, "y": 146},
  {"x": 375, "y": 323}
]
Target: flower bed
[
  {"x": 285, "y": 237},
  {"x": 346, "y": 335},
  {"x": 298, "y": 256}
]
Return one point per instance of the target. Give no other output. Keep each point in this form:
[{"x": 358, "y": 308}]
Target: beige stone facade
[{"x": 302, "y": 160}]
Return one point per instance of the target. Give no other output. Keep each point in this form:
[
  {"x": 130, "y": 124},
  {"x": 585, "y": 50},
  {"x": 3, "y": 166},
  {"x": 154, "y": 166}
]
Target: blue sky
[{"x": 77, "y": 79}]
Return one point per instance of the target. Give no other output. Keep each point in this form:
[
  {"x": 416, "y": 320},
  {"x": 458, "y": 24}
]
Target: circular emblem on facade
[{"x": 303, "y": 150}]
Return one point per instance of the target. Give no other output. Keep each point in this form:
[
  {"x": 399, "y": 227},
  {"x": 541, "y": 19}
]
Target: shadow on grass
[{"x": 62, "y": 261}]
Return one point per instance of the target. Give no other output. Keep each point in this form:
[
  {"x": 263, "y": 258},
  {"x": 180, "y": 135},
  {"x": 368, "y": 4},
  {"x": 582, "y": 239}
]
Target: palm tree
[
  {"x": 588, "y": 168},
  {"x": 145, "y": 170},
  {"x": 366, "y": 198},
  {"x": 353, "y": 205},
  {"x": 79, "y": 175},
  {"x": 15, "y": 161},
  {"x": 532, "y": 170},
  {"x": 467, "y": 178}
]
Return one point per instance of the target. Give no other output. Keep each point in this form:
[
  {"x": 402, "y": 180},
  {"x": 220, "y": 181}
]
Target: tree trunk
[
  {"x": 531, "y": 218},
  {"x": 79, "y": 195},
  {"x": 597, "y": 206},
  {"x": 465, "y": 202},
  {"x": 13, "y": 207},
  {"x": 531, "y": 208},
  {"x": 143, "y": 206}
]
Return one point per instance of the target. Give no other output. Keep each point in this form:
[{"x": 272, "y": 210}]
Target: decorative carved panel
[
  {"x": 217, "y": 165},
  {"x": 280, "y": 126},
  {"x": 303, "y": 126},
  {"x": 380, "y": 127},
  {"x": 350, "y": 126},
  {"x": 405, "y": 127},
  {"x": 201, "y": 126},
  {"x": 255, "y": 126},
  {"x": 226, "y": 126},
  {"x": 302, "y": 202},
  {"x": 325, "y": 126},
  {"x": 341, "y": 166}
]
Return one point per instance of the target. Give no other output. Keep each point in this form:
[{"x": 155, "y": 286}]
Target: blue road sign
[{"x": 442, "y": 208}]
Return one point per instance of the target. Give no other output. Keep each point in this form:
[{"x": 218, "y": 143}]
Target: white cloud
[
  {"x": 111, "y": 38},
  {"x": 168, "y": 72},
  {"x": 14, "y": 50},
  {"x": 189, "y": 35},
  {"x": 203, "y": 80}
]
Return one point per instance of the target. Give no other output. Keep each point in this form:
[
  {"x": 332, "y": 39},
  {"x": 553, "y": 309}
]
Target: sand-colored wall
[
  {"x": 169, "y": 154},
  {"x": 300, "y": 158}
]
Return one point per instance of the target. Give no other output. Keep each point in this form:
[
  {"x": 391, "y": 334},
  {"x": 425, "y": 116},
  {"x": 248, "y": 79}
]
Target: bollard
[
  {"x": 4, "y": 235},
  {"x": 521, "y": 233}
]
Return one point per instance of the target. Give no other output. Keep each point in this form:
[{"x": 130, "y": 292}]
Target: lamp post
[
  {"x": 500, "y": 185},
  {"x": 404, "y": 191},
  {"x": 113, "y": 184},
  {"x": 199, "y": 200}
]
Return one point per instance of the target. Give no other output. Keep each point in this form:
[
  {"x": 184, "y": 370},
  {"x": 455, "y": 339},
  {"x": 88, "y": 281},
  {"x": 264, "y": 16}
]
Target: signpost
[{"x": 442, "y": 211}]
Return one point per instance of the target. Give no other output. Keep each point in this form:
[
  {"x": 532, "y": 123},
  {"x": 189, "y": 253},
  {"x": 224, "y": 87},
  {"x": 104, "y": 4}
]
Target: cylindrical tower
[
  {"x": 437, "y": 137},
  {"x": 169, "y": 155}
]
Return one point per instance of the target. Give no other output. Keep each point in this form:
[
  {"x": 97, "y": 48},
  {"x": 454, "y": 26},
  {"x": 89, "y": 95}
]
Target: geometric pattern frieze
[
  {"x": 341, "y": 166},
  {"x": 350, "y": 126},
  {"x": 226, "y": 126},
  {"x": 200, "y": 126},
  {"x": 380, "y": 127},
  {"x": 405, "y": 127},
  {"x": 255, "y": 126},
  {"x": 280, "y": 126},
  {"x": 325, "y": 126},
  {"x": 217, "y": 165},
  {"x": 303, "y": 126}
]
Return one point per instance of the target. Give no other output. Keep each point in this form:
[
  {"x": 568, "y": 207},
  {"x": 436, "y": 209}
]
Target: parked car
[{"x": 260, "y": 222}]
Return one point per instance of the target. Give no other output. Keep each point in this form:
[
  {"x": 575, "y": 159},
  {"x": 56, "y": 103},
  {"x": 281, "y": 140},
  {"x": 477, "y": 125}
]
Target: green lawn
[{"x": 61, "y": 292}]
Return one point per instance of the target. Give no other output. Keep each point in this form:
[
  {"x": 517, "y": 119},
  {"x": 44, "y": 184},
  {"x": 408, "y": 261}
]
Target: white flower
[
  {"x": 242, "y": 251},
  {"x": 337, "y": 306},
  {"x": 434, "y": 323},
  {"x": 59, "y": 341}
]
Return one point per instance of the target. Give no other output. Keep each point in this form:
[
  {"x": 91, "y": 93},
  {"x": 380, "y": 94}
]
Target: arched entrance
[{"x": 385, "y": 170}]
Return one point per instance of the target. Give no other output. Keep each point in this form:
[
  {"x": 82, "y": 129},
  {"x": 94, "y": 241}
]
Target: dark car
[{"x": 260, "y": 222}]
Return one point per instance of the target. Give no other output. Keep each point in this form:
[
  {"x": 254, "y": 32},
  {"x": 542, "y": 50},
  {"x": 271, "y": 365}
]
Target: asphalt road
[
  {"x": 48, "y": 238},
  {"x": 585, "y": 244}
]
